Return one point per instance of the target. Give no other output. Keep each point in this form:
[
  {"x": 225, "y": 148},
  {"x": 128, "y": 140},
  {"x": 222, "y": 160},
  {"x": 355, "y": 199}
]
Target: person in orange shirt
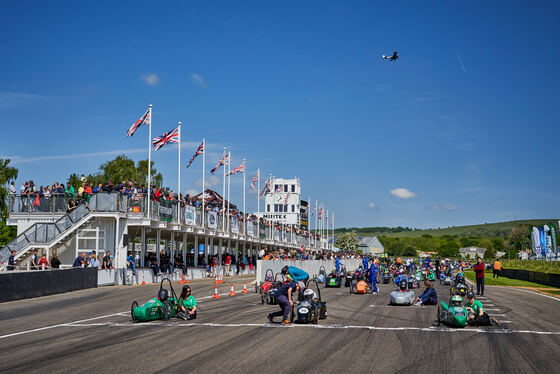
[{"x": 497, "y": 269}]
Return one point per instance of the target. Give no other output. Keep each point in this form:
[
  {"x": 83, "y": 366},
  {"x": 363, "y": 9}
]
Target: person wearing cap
[
  {"x": 476, "y": 314},
  {"x": 285, "y": 302},
  {"x": 429, "y": 297},
  {"x": 297, "y": 274}
]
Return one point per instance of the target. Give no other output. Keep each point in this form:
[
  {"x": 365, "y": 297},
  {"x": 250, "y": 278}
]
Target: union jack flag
[
  {"x": 314, "y": 209},
  {"x": 332, "y": 219},
  {"x": 223, "y": 161},
  {"x": 252, "y": 186},
  {"x": 146, "y": 119},
  {"x": 321, "y": 213},
  {"x": 168, "y": 137},
  {"x": 306, "y": 210},
  {"x": 266, "y": 187},
  {"x": 286, "y": 199},
  {"x": 239, "y": 169},
  {"x": 279, "y": 188},
  {"x": 199, "y": 151}
]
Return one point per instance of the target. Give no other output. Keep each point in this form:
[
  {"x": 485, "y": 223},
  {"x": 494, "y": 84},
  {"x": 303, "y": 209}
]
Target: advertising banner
[
  {"x": 276, "y": 235},
  {"x": 250, "y": 229},
  {"x": 234, "y": 225},
  {"x": 166, "y": 211},
  {"x": 212, "y": 220},
  {"x": 190, "y": 215}
]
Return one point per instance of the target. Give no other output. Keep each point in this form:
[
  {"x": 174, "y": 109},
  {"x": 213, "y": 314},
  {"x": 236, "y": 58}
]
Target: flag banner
[
  {"x": 286, "y": 199},
  {"x": 234, "y": 225},
  {"x": 542, "y": 241},
  {"x": 262, "y": 231},
  {"x": 239, "y": 169},
  {"x": 314, "y": 210},
  {"x": 146, "y": 119},
  {"x": 222, "y": 161},
  {"x": 279, "y": 188},
  {"x": 252, "y": 186},
  {"x": 321, "y": 213},
  {"x": 284, "y": 236},
  {"x": 250, "y": 229},
  {"x": 166, "y": 210},
  {"x": 190, "y": 215},
  {"x": 535, "y": 241},
  {"x": 212, "y": 220},
  {"x": 168, "y": 137},
  {"x": 294, "y": 239},
  {"x": 266, "y": 187},
  {"x": 553, "y": 237},
  {"x": 276, "y": 235},
  {"x": 199, "y": 151}
]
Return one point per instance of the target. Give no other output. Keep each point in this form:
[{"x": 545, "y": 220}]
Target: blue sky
[{"x": 462, "y": 129}]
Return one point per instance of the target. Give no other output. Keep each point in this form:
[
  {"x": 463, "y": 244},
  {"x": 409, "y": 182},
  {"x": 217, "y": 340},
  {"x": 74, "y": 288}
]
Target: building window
[
  {"x": 268, "y": 207},
  {"x": 293, "y": 208},
  {"x": 293, "y": 188},
  {"x": 285, "y": 188},
  {"x": 285, "y": 208},
  {"x": 275, "y": 187}
]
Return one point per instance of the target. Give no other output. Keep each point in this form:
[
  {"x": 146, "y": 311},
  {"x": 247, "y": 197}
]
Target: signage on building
[
  {"x": 166, "y": 210},
  {"x": 190, "y": 215}
]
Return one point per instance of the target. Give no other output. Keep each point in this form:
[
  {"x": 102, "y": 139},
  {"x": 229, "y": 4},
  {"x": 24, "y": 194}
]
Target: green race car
[
  {"x": 161, "y": 307},
  {"x": 453, "y": 315}
]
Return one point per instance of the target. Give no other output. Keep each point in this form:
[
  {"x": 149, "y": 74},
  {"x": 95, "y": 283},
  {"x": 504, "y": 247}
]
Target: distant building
[
  {"x": 370, "y": 245},
  {"x": 472, "y": 252}
]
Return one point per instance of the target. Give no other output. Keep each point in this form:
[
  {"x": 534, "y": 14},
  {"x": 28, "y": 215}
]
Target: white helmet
[{"x": 308, "y": 294}]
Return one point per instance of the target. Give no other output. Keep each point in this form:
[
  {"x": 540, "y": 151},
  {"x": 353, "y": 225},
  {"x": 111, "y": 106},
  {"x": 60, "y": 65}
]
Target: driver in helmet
[
  {"x": 297, "y": 274},
  {"x": 456, "y": 301},
  {"x": 308, "y": 294},
  {"x": 162, "y": 296},
  {"x": 476, "y": 314},
  {"x": 402, "y": 286}
]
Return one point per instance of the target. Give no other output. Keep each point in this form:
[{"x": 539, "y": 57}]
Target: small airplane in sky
[{"x": 391, "y": 58}]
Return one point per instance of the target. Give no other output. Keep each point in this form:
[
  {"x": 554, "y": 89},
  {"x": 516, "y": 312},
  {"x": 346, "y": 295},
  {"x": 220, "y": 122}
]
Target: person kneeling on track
[
  {"x": 285, "y": 301},
  {"x": 429, "y": 297},
  {"x": 476, "y": 314},
  {"x": 296, "y": 273},
  {"x": 187, "y": 304}
]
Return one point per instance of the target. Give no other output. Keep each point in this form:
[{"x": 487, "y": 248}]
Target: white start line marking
[{"x": 336, "y": 326}]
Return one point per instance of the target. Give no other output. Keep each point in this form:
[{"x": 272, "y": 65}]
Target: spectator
[
  {"x": 55, "y": 262},
  {"x": 479, "y": 271},
  {"x": 71, "y": 206},
  {"x": 93, "y": 262},
  {"x": 228, "y": 264},
  {"x": 12, "y": 260},
  {"x": 107, "y": 263},
  {"x": 12, "y": 193},
  {"x": 80, "y": 260},
  {"x": 497, "y": 269},
  {"x": 43, "y": 262},
  {"x": 69, "y": 191},
  {"x": 34, "y": 260}
]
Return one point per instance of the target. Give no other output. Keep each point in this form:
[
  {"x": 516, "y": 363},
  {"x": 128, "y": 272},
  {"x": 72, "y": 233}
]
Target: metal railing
[{"x": 135, "y": 206}]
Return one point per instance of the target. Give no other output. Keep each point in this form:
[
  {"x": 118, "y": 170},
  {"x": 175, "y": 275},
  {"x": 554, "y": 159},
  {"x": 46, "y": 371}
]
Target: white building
[{"x": 282, "y": 203}]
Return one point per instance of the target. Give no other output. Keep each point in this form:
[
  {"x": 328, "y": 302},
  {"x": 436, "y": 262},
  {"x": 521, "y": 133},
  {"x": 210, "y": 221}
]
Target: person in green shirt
[
  {"x": 476, "y": 314},
  {"x": 187, "y": 304}
]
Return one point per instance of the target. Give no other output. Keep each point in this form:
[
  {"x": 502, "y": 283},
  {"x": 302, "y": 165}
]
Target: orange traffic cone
[
  {"x": 182, "y": 280},
  {"x": 187, "y": 278},
  {"x": 231, "y": 292},
  {"x": 216, "y": 296},
  {"x": 244, "y": 288},
  {"x": 143, "y": 281},
  {"x": 216, "y": 280}
]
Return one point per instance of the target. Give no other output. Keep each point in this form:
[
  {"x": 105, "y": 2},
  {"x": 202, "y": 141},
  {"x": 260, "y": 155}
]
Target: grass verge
[{"x": 503, "y": 281}]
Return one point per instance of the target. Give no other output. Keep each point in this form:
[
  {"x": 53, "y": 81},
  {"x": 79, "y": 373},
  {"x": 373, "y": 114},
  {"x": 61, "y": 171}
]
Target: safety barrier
[
  {"x": 18, "y": 285},
  {"x": 532, "y": 276},
  {"x": 311, "y": 266}
]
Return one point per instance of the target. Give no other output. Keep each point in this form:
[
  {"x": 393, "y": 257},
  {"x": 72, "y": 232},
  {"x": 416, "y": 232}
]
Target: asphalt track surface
[{"x": 91, "y": 331}]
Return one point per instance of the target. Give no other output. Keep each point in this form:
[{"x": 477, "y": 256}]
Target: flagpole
[
  {"x": 316, "y": 214},
  {"x": 327, "y": 227},
  {"x": 203, "y": 173},
  {"x": 224, "y": 194},
  {"x": 244, "y": 225},
  {"x": 149, "y": 162},
  {"x": 179, "y": 177},
  {"x": 228, "y": 184},
  {"x": 308, "y": 220},
  {"x": 258, "y": 201}
]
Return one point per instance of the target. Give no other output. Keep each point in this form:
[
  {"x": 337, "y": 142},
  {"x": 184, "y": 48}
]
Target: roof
[{"x": 212, "y": 197}]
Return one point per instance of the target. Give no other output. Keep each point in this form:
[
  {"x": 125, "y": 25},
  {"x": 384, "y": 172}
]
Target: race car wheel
[
  {"x": 166, "y": 311},
  {"x": 316, "y": 315},
  {"x": 132, "y": 307}
]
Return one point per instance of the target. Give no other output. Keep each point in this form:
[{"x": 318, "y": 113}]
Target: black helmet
[
  {"x": 285, "y": 270},
  {"x": 402, "y": 285},
  {"x": 162, "y": 295},
  {"x": 470, "y": 293}
]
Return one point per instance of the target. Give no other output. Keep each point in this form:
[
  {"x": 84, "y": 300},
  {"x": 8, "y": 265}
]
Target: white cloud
[
  {"x": 192, "y": 192},
  {"x": 372, "y": 206},
  {"x": 150, "y": 79},
  {"x": 403, "y": 193},
  {"x": 210, "y": 181},
  {"x": 197, "y": 79},
  {"x": 445, "y": 207}
]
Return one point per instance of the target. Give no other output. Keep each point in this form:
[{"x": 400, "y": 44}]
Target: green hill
[{"x": 499, "y": 229}]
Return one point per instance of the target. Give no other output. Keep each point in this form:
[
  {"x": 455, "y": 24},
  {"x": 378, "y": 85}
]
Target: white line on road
[
  {"x": 336, "y": 326},
  {"x": 496, "y": 315},
  {"x": 494, "y": 309}
]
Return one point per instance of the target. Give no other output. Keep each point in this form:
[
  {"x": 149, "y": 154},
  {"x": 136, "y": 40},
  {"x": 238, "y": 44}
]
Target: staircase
[{"x": 46, "y": 235}]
